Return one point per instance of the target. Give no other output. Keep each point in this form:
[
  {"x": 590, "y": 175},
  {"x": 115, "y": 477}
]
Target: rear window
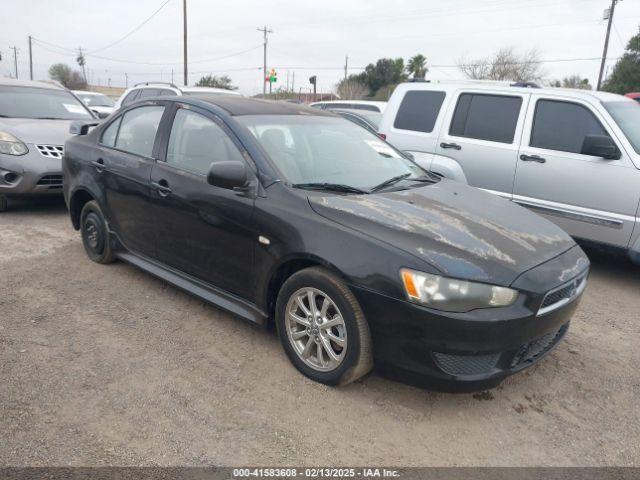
[
  {"x": 486, "y": 117},
  {"x": 419, "y": 111}
]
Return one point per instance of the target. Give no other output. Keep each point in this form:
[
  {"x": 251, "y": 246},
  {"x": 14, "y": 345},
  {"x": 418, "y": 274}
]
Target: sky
[{"x": 309, "y": 38}]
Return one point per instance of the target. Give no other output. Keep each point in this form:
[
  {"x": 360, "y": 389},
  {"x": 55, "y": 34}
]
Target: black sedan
[{"x": 282, "y": 213}]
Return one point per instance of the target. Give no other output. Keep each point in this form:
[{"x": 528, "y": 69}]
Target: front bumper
[
  {"x": 462, "y": 352},
  {"x": 34, "y": 173}
]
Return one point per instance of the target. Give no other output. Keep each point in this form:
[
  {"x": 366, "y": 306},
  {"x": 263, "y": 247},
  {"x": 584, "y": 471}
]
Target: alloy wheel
[{"x": 316, "y": 329}]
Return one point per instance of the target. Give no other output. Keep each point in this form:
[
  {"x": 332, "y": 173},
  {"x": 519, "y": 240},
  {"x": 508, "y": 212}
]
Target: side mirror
[
  {"x": 229, "y": 175},
  {"x": 600, "y": 146},
  {"x": 81, "y": 127},
  {"x": 100, "y": 114}
]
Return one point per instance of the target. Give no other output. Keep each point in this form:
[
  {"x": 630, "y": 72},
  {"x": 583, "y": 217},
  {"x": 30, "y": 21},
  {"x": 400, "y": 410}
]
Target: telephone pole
[
  {"x": 15, "y": 58},
  {"x": 265, "y": 32},
  {"x": 184, "y": 33},
  {"x": 346, "y": 66},
  {"x": 606, "y": 43},
  {"x": 30, "y": 60}
]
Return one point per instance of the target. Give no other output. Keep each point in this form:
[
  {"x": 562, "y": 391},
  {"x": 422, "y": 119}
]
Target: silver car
[
  {"x": 572, "y": 156},
  {"x": 34, "y": 124}
]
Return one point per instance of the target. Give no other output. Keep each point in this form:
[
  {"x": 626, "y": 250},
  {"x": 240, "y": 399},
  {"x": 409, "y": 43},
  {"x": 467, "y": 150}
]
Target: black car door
[
  {"x": 202, "y": 230},
  {"x": 124, "y": 164}
]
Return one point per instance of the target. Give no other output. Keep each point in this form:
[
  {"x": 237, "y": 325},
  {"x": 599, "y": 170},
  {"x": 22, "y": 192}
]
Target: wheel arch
[
  {"x": 78, "y": 200},
  {"x": 284, "y": 269}
]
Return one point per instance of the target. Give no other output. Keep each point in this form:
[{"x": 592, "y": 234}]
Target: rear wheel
[
  {"x": 95, "y": 235},
  {"x": 322, "y": 328}
]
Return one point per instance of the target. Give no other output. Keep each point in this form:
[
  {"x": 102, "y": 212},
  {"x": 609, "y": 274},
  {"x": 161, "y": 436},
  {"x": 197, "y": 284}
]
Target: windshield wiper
[
  {"x": 391, "y": 181},
  {"x": 336, "y": 187}
]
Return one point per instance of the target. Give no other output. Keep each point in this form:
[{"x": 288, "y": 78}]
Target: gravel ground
[{"x": 106, "y": 365}]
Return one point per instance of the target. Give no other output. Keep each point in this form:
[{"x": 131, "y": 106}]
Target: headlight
[
  {"x": 453, "y": 295},
  {"x": 10, "y": 145}
]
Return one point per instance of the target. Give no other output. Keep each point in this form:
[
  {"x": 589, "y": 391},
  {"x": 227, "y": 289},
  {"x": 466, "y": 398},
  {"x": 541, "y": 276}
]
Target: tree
[
  {"x": 222, "y": 81},
  {"x": 386, "y": 71},
  {"x": 573, "y": 81},
  {"x": 66, "y": 76},
  {"x": 505, "y": 64},
  {"x": 625, "y": 77},
  {"x": 417, "y": 66},
  {"x": 352, "y": 88}
]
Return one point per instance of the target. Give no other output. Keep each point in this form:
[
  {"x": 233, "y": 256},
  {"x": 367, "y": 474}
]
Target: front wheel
[
  {"x": 95, "y": 234},
  {"x": 322, "y": 328}
]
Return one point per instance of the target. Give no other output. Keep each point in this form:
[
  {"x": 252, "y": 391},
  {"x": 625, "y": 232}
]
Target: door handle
[
  {"x": 162, "y": 187},
  {"x": 455, "y": 146},
  {"x": 532, "y": 158},
  {"x": 99, "y": 164}
]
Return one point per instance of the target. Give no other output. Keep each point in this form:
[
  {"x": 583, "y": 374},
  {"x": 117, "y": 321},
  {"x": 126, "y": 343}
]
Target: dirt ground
[{"x": 106, "y": 365}]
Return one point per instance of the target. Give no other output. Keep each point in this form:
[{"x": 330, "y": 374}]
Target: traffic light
[{"x": 313, "y": 80}]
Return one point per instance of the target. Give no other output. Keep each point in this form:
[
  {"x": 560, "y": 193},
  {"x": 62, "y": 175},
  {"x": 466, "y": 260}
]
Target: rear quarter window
[
  {"x": 486, "y": 117},
  {"x": 419, "y": 111}
]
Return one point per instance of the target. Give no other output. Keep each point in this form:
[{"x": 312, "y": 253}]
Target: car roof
[
  {"x": 237, "y": 105},
  {"x": 87, "y": 92},
  {"x": 208, "y": 89},
  {"x": 477, "y": 85},
  {"x": 30, "y": 83}
]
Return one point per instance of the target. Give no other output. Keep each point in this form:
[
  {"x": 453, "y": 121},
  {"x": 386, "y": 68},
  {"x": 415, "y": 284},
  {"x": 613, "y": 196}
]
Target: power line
[{"x": 132, "y": 31}]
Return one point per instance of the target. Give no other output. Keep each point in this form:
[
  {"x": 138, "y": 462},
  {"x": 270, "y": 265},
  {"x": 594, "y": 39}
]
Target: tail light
[{"x": 383, "y": 136}]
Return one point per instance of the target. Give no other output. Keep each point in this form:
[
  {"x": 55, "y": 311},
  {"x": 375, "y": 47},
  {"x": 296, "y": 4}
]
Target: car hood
[
  {"x": 30, "y": 130},
  {"x": 462, "y": 231}
]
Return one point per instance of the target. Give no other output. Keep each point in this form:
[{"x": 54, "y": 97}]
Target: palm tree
[{"x": 417, "y": 66}]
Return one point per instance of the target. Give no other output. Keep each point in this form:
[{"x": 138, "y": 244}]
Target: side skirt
[{"x": 192, "y": 285}]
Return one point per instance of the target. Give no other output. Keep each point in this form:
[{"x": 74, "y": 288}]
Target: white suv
[
  {"x": 157, "y": 89},
  {"x": 571, "y": 155}
]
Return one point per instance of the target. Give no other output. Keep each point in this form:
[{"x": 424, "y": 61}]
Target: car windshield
[
  {"x": 318, "y": 149},
  {"x": 96, "y": 100},
  {"x": 34, "y": 102},
  {"x": 627, "y": 116}
]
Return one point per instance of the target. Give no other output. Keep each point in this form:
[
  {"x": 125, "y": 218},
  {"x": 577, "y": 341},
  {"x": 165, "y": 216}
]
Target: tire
[
  {"x": 3, "y": 203},
  {"x": 352, "y": 358},
  {"x": 95, "y": 234}
]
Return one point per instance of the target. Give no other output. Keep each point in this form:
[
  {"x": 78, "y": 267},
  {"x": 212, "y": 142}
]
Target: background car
[
  {"x": 100, "y": 104},
  {"x": 364, "y": 118},
  {"x": 141, "y": 91},
  {"x": 350, "y": 105},
  {"x": 34, "y": 124},
  {"x": 633, "y": 95},
  {"x": 279, "y": 212},
  {"x": 572, "y": 156}
]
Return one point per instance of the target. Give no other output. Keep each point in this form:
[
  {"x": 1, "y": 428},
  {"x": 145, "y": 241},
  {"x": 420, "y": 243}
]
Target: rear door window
[
  {"x": 138, "y": 129},
  {"x": 419, "y": 111},
  {"x": 563, "y": 126},
  {"x": 149, "y": 92},
  {"x": 486, "y": 117}
]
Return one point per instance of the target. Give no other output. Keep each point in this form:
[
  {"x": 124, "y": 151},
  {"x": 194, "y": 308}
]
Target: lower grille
[
  {"x": 50, "y": 181},
  {"x": 466, "y": 364},
  {"x": 529, "y": 352}
]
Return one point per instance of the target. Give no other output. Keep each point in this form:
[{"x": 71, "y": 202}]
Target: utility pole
[
  {"x": 346, "y": 66},
  {"x": 184, "y": 28},
  {"x": 81, "y": 61},
  {"x": 126, "y": 80},
  {"x": 15, "y": 58},
  {"x": 293, "y": 81},
  {"x": 30, "y": 61},
  {"x": 606, "y": 43},
  {"x": 265, "y": 32}
]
